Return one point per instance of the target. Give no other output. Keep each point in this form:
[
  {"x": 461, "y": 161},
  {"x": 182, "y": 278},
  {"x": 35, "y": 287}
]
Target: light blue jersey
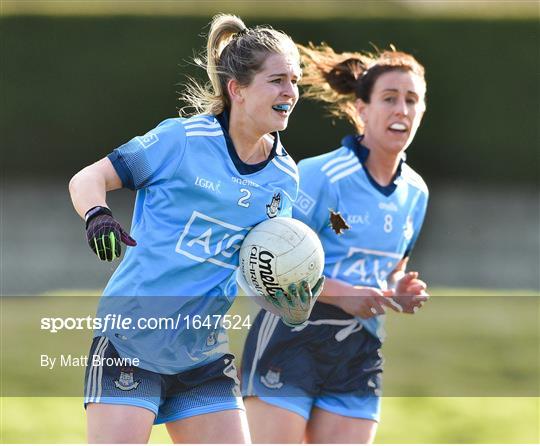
[
  {"x": 196, "y": 200},
  {"x": 384, "y": 222}
]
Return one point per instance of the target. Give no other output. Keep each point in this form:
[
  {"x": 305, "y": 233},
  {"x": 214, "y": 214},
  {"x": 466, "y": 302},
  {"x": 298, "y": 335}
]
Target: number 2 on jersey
[{"x": 243, "y": 201}]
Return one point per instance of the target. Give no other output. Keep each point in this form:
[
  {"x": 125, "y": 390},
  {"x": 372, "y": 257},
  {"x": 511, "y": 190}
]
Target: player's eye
[
  {"x": 276, "y": 81},
  {"x": 390, "y": 99},
  {"x": 412, "y": 101}
]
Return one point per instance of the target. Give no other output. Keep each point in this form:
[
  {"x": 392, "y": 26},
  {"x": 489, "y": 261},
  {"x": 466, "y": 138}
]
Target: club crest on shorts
[
  {"x": 126, "y": 382},
  {"x": 211, "y": 339},
  {"x": 271, "y": 379},
  {"x": 274, "y": 207},
  {"x": 338, "y": 223}
]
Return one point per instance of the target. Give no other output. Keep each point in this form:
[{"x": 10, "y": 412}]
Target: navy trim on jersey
[
  {"x": 122, "y": 169},
  {"x": 243, "y": 168},
  {"x": 353, "y": 142}
]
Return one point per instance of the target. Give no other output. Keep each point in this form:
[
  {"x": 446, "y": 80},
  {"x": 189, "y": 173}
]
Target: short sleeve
[
  {"x": 152, "y": 157},
  {"x": 418, "y": 220},
  {"x": 315, "y": 196}
]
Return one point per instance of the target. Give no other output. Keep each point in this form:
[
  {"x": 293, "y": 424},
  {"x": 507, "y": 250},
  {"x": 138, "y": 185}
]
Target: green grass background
[
  {"x": 491, "y": 335},
  {"x": 404, "y": 420}
]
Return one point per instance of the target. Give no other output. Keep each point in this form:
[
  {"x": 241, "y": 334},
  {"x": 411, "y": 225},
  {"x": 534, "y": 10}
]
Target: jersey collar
[
  {"x": 354, "y": 142},
  {"x": 244, "y": 168}
]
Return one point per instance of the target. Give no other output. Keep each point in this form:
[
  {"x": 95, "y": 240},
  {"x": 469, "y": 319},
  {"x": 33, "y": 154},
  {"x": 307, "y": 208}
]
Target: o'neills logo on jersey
[{"x": 262, "y": 271}]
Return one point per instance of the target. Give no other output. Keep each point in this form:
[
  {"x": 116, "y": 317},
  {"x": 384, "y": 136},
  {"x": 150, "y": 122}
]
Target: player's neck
[
  {"x": 382, "y": 165},
  {"x": 251, "y": 146}
]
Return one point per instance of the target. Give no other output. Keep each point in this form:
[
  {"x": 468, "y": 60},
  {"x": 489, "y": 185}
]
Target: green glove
[{"x": 295, "y": 306}]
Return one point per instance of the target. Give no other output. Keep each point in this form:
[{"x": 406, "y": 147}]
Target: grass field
[
  {"x": 463, "y": 370},
  {"x": 405, "y": 420}
]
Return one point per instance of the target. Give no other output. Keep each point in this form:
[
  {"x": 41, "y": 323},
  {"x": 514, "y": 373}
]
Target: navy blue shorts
[
  {"x": 331, "y": 363},
  {"x": 209, "y": 388}
]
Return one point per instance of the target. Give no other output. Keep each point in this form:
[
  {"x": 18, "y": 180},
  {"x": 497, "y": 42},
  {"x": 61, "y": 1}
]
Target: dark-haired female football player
[{"x": 320, "y": 382}]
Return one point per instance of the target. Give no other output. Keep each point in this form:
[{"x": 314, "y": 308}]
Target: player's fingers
[
  {"x": 421, "y": 298},
  {"x": 367, "y": 312},
  {"x": 409, "y": 277},
  {"x": 116, "y": 246},
  {"x": 98, "y": 248},
  {"x": 292, "y": 293},
  {"x": 108, "y": 240},
  {"x": 277, "y": 299},
  {"x": 317, "y": 289},
  {"x": 126, "y": 238},
  {"x": 415, "y": 289},
  {"x": 390, "y": 303},
  {"x": 419, "y": 283},
  {"x": 304, "y": 292},
  {"x": 377, "y": 308}
]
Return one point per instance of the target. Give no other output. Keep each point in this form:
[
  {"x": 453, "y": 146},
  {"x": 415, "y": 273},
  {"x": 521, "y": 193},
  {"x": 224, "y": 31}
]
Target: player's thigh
[
  {"x": 328, "y": 427},
  {"x": 273, "y": 424},
  {"x": 226, "y": 426},
  {"x": 116, "y": 423}
]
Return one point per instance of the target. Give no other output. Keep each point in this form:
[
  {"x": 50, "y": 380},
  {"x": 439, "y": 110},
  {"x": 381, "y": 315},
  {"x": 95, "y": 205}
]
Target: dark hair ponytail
[
  {"x": 340, "y": 79},
  {"x": 343, "y": 77}
]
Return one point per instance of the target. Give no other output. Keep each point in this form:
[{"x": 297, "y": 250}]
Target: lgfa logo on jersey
[
  {"x": 207, "y": 184},
  {"x": 147, "y": 140},
  {"x": 274, "y": 207}
]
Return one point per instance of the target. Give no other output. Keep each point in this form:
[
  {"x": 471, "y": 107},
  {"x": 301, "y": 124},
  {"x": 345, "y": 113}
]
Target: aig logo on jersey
[
  {"x": 207, "y": 239},
  {"x": 304, "y": 203}
]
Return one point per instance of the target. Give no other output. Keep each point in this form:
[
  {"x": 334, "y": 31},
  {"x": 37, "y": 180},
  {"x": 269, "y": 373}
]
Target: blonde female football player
[
  {"x": 320, "y": 382},
  {"x": 192, "y": 209}
]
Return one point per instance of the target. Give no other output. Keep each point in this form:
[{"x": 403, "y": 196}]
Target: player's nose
[{"x": 290, "y": 90}]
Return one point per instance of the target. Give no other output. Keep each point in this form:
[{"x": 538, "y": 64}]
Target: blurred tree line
[{"x": 74, "y": 88}]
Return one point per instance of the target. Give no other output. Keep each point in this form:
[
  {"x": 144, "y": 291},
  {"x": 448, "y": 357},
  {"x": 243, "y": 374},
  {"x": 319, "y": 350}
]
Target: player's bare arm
[
  {"x": 89, "y": 186},
  {"x": 88, "y": 190},
  {"x": 365, "y": 302}
]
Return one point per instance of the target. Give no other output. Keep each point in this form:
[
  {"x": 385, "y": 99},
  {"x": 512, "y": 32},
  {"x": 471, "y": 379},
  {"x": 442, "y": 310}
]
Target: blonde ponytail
[{"x": 233, "y": 51}]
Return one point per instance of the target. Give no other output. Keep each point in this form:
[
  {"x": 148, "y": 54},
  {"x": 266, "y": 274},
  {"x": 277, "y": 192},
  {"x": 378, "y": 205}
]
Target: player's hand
[
  {"x": 367, "y": 302},
  {"x": 105, "y": 235},
  {"x": 410, "y": 293},
  {"x": 296, "y": 304}
]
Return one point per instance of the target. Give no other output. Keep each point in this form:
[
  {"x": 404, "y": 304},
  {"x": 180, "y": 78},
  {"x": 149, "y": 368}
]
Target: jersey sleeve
[
  {"x": 418, "y": 220},
  {"x": 153, "y": 157},
  {"x": 315, "y": 196}
]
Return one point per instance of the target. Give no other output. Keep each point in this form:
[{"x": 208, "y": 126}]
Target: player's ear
[
  {"x": 235, "y": 91},
  {"x": 361, "y": 107}
]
